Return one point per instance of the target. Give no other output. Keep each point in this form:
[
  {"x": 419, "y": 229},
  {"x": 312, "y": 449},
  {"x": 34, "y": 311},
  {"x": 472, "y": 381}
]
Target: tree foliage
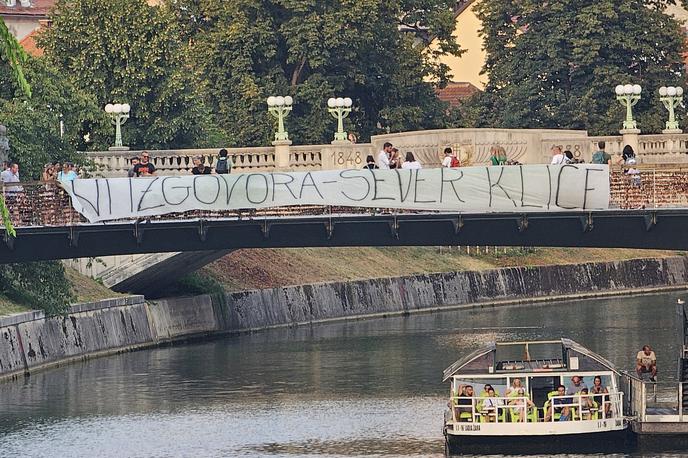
[
  {"x": 13, "y": 54},
  {"x": 243, "y": 51},
  {"x": 41, "y": 285},
  {"x": 129, "y": 52},
  {"x": 33, "y": 125},
  {"x": 556, "y": 64}
]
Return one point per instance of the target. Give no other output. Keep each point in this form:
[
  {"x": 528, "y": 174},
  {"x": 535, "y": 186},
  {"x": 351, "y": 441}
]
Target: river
[{"x": 362, "y": 388}]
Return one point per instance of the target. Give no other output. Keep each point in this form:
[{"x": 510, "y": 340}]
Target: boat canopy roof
[{"x": 562, "y": 355}]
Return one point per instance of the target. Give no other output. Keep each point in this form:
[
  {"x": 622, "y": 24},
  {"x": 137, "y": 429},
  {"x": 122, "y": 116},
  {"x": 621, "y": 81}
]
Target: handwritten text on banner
[{"x": 468, "y": 189}]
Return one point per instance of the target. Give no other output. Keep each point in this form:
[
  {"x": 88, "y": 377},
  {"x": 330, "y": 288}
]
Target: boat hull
[{"x": 590, "y": 442}]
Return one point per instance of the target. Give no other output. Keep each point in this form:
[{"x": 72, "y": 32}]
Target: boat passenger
[
  {"x": 563, "y": 410},
  {"x": 486, "y": 389},
  {"x": 577, "y": 384},
  {"x": 489, "y": 406},
  {"x": 513, "y": 388},
  {"x": 464, "y": 403},
  {"x": 598, "y": 389},
  {"x": 522, "y": 403},
  {"x": 588, "y": 405}
]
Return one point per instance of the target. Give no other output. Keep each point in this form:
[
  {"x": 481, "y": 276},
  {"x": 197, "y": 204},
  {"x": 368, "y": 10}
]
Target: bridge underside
[{"x": 652, "y": 229}]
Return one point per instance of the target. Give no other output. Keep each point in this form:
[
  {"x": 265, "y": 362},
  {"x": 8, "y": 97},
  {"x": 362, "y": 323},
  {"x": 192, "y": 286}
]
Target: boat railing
[
  {"x": 513, "y": 409},
  {"x": 598, "y": 406},
  {"x": 656, "y": 398}
]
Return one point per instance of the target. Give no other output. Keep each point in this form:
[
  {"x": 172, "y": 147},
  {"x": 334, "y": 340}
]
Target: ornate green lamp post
[
  {"x": 119, "y": 113},
  {"x": 339, "y": 108},
  {"x": 671, "y": 97},
  {"x": 279, "y": 107},
  {"x": 628, "y": 95}
]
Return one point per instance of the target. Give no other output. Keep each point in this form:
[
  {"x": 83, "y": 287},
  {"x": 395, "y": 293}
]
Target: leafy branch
[
  {"x": 14, "y": 54},
  {"x": 6, "y": 219}
]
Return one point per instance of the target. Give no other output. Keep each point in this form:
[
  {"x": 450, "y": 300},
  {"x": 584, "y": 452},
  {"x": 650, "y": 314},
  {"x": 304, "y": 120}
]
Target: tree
[
  {"x": 12, "y": 53},
  {"x": 33, "y": 125},
  {"x": 556, "y": 64},
  {"x": 127, "y": 51},
  {"x": 243, "y": 51}
]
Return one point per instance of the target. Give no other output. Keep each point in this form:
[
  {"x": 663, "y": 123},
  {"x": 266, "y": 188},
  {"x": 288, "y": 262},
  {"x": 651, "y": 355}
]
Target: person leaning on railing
[
  {"x": 67, "y": 174},
  {"x": 599, "y": 391},
  {"x": 559, "y": 405},
  {"x": 587, "y": 406}
]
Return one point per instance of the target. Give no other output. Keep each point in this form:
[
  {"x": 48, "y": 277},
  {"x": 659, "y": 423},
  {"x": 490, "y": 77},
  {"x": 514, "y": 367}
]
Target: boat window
[
  {"x": 588, "y": 381},
  {"x": 540, "y": 387},
  {"x": 524, "y": 381},
  {"x": 529, "y": 356},
  {"x": 478, "y": 384}
]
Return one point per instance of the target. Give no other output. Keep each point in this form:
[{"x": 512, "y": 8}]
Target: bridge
[{"x": 649, "y": 210}]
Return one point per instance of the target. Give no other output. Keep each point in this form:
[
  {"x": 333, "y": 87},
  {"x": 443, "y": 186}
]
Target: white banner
[{"x": 525, "y": 188}]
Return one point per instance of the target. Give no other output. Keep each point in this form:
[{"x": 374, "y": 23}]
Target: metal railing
[
  {"x": 519, "y": 409},
  {"x": 655, "y": 398}
]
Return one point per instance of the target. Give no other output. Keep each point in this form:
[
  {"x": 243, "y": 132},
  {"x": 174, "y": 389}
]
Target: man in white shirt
[
  {"x": 558, "y": 157},
  {"x": 11, "y": 175},
  {"x": 383, "y": 156},
  {"x": 646, "y": 363}
]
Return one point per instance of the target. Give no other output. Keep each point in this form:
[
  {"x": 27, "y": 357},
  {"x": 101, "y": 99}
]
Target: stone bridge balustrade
[
  {"x": 180, "y": 162},
  {"x": 527, "y": 146},
  {"x": 305, "y": 157}
]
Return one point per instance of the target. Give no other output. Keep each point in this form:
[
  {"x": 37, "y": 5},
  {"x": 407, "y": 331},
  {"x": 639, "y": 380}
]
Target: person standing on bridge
[
  {"x": 558, "y": 158},
  {"x": 131, "y": 173},
  {"x": 601, "y": 156},
  {"x": 224, "y": 163},
  {"x": 370, "y": 163},
  {"x": 68, "y": 173},
  {"x": 11, "y": 175},
  {"x": 384, "y": 155},
  {"x": 144, "y": 168},
  {"x": 411, "y": 162},
  {"x": 199, "y": 167}
]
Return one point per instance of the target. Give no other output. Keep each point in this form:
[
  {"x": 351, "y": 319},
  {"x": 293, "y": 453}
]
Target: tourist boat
[{"x": 537, "y": 418}]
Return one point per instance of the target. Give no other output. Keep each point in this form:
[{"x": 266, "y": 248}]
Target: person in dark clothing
[
  {"x": 199, "y": 167},
  {"x": 144, "y": 167},
  {"x": 370, "y": 163},
  {"x": 224, "y": 164}
]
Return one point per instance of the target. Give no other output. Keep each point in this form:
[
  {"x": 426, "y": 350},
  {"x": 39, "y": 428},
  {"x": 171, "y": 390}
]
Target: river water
[{"x": 364, "y": 388}]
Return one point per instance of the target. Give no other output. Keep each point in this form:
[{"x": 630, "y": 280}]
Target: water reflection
[{"x": 366, "y": 388}]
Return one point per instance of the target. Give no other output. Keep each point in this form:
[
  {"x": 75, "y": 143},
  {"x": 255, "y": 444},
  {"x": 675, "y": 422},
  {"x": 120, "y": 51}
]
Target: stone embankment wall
[{"x": 30, "y": 341}]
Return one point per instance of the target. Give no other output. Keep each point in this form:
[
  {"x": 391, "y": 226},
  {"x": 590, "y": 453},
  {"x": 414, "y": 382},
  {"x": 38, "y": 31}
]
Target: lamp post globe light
[
  {"x": 119, "y": 113},
  {"x": 671, "y": 97},
  {"x": 279, "y": 107},
  {"x": 339, "y": 108},
  {"x": 628, "y": 95}
]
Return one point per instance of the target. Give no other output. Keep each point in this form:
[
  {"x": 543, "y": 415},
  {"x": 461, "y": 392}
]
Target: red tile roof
[
  {"x": 455, "y": 93},
  {"x": 38, "y": 8},
  {"x": 29, "y": 44}
]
